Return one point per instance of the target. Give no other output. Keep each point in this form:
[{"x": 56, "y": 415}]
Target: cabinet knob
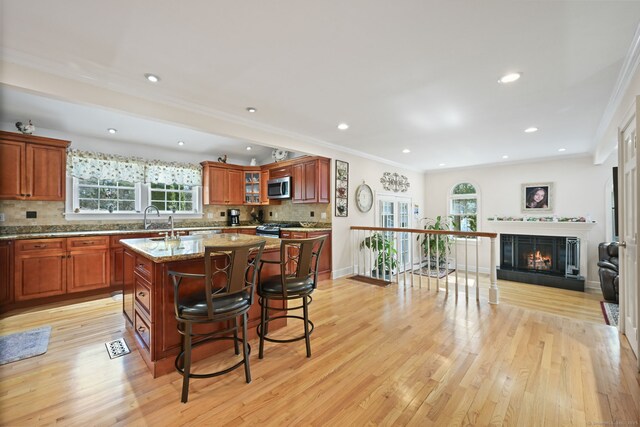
[
  {"x": 141, "y": 294},
  {"x": 40, "y": 246},
  {"x": 141, "y": 328},
  {"x": 87, "y": 243}
]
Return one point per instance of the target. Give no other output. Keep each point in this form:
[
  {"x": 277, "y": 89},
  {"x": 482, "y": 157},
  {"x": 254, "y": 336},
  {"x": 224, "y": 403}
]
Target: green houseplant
[
  {"x": 385, "y": 254},
  {"x": 437, "y": 247}
]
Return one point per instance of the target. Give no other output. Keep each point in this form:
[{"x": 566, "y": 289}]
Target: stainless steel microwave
[{"x": 279, "y": 188}]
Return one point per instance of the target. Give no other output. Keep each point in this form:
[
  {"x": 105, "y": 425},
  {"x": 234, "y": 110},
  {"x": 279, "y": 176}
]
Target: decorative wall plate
[{"x": 279, "y": 155}]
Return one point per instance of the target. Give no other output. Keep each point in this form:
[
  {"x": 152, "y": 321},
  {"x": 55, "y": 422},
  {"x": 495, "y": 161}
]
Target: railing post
[{"x": 493, "y": 290}]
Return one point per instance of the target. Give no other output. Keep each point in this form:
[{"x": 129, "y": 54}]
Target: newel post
[{"x": 493, "y": 290}]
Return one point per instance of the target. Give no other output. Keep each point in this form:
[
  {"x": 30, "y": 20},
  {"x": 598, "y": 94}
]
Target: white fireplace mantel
[{"x": 547, "y": 228}]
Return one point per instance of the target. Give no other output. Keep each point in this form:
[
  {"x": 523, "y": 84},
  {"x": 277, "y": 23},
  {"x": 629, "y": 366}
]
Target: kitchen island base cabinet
[
  {"x": 324, "y": 267},
  {"x": 149, "y": 309}
]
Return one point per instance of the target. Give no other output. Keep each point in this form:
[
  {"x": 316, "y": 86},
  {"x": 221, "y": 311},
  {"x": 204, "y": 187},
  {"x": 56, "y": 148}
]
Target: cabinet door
[
  {"x": 235, "y": 187},
  {"x": 310, "y": 181},
  {"x": 324, "y": 180},
  {"x": 87, "y": 270},
  {"x": 117, "y": 267},
  {"x": 6, "y": 272},
  {"x": 45, "y": 172},
  {"x": 325, "y": 257},
  {"x": 128, "y": 283},
  {"x": 264, "y": 177},
  {"x": 298, "y": 183},
  {"x": 218, "y": 183},
  {"x": 38, "y": 276},
  {"x": 12, "y": 161}
]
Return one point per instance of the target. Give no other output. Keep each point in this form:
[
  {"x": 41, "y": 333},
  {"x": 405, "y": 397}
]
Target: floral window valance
[{"x": 87, "y": 165}]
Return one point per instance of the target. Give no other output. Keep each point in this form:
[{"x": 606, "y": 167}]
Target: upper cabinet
[
  {"x": 222, "y": 184},
  {"x": 226, "y": 184},
  {"x": 32, "y": 167},
  {"x": 311, "y": 181}
]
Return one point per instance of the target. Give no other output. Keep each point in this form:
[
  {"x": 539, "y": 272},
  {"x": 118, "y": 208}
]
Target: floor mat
[
  {"x": 611, "y": 312},
  {"x": 23, "y": 345}
]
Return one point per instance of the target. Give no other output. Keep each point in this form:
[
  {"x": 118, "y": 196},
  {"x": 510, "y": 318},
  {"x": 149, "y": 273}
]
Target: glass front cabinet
[{"x": 252, "y": 187}]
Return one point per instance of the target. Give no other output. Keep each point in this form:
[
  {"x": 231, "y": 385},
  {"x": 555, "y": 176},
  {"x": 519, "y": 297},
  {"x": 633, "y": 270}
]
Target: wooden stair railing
[{"x": 376, "y": 260}]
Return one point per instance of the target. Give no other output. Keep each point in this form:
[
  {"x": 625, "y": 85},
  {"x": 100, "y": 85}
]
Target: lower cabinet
[
  {"x": 324, "y": 267},
  {"x": 40, "y": 268},
  {"x": 87, "y": 263},
  {"x": 249, "y": 231},
  {"x": 6, "y": 272},
  {"x": 49, "y": 267}
]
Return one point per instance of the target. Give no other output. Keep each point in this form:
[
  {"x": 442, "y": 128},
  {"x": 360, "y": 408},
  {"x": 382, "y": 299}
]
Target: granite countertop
[
  {"x": 190, "y": 247},
  {"x": 53, "y": 234},
  {"x": 307, "y": 229}
]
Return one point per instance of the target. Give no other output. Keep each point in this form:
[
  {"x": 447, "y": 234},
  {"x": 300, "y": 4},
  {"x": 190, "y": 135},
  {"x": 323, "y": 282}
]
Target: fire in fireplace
[{"x": 538, "y": 261}]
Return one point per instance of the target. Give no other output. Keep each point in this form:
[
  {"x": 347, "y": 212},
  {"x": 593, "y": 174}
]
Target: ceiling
[{"x": 414, "y": 74}]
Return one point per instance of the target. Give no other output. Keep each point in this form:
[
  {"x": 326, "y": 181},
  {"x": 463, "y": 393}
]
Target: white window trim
[
  {"x": 143, "y": 195},
  {"x": 476, "y": 195}
]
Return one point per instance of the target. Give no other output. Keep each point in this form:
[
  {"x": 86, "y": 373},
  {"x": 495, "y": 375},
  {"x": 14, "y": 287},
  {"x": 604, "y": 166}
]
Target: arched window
[{"x": 463, "y": 207}]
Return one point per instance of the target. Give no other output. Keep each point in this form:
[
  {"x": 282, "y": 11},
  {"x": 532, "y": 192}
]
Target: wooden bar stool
[
  {"x": 226, "y": 292},
  {"x": 299, "y": 259}
]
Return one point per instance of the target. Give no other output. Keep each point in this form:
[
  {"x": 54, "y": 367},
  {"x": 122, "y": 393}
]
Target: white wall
[{"x": 581, "y": 189}]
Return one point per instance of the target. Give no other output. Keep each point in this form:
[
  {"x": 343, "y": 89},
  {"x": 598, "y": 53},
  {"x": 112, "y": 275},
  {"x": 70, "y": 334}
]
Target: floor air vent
[{"x": 117, "y": 348}]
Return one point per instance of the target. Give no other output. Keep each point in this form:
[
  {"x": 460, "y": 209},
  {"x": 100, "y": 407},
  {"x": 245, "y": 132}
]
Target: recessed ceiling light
[
  {"x": 442, "y": 164},
  {"x": 248, "y": 148},
  {"x": 251, "y": 109},
  {"x": 531, "y": 130},
  {"x": 505, "y": 157},
  {"x": 343, "y": 126},
  {"x": 180, "y": 142},
  {"x": 112, "y": 130},
  {"x": 406, "y": 150},
  {"x": 152, "y": 78},
  {"x": 562, "y": 149},
  {"x": 510, "y": 78}
]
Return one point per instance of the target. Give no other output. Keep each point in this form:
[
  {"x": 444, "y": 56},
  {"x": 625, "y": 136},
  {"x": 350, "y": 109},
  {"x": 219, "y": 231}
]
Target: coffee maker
[{"x": 233, "y": 216}]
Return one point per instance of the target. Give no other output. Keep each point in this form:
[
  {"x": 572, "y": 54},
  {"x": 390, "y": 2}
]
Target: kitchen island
[{"x": 148, "y": 292}]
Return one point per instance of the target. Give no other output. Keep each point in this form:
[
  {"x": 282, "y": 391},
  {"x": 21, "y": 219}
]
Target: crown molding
[{"x": 627, "y": 72}]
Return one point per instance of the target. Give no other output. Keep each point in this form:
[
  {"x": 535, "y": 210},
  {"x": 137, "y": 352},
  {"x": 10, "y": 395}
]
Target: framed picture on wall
[
  {"x": 537, "y": 197},
  {"x": 342, "y": 188}
]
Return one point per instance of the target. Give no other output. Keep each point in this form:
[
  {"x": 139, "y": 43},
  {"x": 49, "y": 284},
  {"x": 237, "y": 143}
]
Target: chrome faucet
[
  {"x": 173, "y": 236},
  {"x": 147, "y": 209}
]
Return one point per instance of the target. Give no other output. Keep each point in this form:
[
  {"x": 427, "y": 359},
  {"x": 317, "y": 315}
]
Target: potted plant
[
  {"x": 385, "y": 254},
  {"x": 437, "y": 247}
]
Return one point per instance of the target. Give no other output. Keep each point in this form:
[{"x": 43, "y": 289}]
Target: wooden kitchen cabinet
[
  {"x": 6, "y": 272},
  {"x": 40, "y": 268},
  {"x": 222, "y": 185},
  {"x": 324, "y": 267},
  {"x": 87, "y": 263},
  {"x": 49, "y": 267},
  {"x": 32, "y": 167},
  {"x": 311, "y": 181},
  {"x": 116, "y": 257}
]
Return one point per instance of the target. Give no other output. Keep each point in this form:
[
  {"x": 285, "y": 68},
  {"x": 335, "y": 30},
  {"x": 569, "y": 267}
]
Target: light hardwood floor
[{"x": 398, "y": 355}]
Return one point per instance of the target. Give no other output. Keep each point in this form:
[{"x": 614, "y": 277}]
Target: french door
[
  {"x": 628, "y": 160},
  {"x": 394, "y": 212}
]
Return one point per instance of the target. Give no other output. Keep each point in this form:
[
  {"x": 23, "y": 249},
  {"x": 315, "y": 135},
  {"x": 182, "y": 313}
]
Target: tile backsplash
[{"x": 52, "y": 213}]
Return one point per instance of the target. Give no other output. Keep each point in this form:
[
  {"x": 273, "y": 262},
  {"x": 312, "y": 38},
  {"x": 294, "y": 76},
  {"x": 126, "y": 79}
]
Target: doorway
[
  {"x": 629, "y": 205},
  {"x": 395, "y": 212}
]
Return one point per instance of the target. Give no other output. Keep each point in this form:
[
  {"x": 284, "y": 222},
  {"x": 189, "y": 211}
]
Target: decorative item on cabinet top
[
  {"x": 394, "y": 182},
  {"x": 27, "y": 129},
  {"x": 279, "y": 154}
]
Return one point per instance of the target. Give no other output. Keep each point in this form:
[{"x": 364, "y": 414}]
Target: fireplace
[{"x": 542, "y": 260}]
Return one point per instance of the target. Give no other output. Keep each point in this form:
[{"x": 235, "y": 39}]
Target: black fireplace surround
[{"x": 542, "y": 260}]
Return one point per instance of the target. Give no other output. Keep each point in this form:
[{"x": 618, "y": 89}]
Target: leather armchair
[{"x": 608, "y": 272}]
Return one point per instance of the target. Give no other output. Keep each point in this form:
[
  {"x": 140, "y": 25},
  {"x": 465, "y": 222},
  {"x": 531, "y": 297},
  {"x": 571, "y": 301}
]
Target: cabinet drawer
[
  {"x": 143, "y": 293},
  {"x": 142, "y": 329},
  {"x": 285, "y": 234},
  {"x": 143, "y": 267},
  {"x": 298, "y": 235},
  {"x": 87, "y": 242},
  {"x": 40, "y": 245}
]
